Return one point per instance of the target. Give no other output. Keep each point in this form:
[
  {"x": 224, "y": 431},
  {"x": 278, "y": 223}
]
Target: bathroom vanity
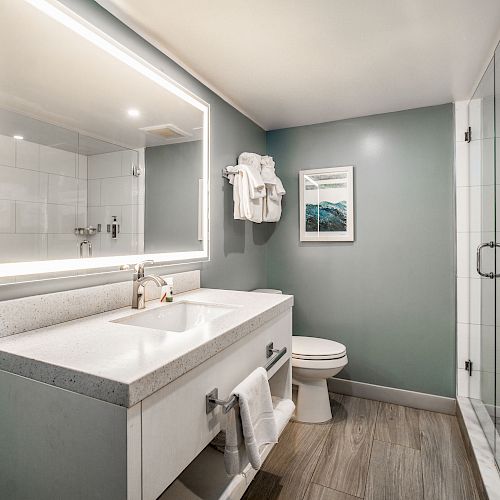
[{"x": 113, "y": 405}]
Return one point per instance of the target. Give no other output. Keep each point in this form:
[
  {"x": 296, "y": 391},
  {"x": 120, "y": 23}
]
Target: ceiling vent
[{"x": 168, "y": 131}]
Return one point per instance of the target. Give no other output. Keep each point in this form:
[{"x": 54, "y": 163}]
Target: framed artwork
[{"x": 326, "y": 204}]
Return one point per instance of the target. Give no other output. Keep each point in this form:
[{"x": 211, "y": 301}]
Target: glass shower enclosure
[{"x": 484, "y": 227}]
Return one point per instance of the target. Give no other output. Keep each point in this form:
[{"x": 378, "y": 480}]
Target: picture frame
[{"x": 326, "y": 197}]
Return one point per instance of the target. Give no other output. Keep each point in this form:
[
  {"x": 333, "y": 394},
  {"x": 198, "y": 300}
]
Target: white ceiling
[{"x": 289, "y": 62}]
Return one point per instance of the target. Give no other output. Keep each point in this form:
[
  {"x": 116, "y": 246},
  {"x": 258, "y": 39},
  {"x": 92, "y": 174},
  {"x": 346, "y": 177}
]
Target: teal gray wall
[
  {"x": 172, "y": 197},
  {"x": 238, "y": 252},
  {"x": 389, "y": 295}
]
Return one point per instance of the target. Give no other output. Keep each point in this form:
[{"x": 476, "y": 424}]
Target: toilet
[{"x": 314, "y": 360}]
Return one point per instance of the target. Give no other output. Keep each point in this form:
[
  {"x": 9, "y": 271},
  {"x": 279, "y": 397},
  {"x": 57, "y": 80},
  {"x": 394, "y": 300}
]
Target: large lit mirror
[{"x": 103, "y": 159}]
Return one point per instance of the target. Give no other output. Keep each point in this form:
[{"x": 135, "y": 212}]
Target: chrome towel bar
[{"x": 212, "y": 398}]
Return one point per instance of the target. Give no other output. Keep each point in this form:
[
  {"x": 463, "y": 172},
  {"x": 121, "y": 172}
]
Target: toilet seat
[
  {"x": 320, "y": 364},
  {"x": 316, "y": 349}
]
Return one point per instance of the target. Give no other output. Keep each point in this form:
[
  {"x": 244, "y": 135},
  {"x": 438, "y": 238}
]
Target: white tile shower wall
[
  {"x": 113, "y": 191},
  {"x": 42, "y": 192}
]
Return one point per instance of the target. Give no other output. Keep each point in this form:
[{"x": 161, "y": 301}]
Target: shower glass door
[{"x": 484, "y": 283}]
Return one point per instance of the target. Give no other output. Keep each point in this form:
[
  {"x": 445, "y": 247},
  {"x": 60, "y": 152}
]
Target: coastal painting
[{"x": 326, "y": 204}]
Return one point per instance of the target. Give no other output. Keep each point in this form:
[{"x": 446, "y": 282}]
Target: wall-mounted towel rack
[
  {"x": 224, "y": 173},
  {"x": 212, "y": 398}
]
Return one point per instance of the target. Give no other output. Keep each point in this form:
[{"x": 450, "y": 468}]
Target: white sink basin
[{"x": 177, "y": 317}]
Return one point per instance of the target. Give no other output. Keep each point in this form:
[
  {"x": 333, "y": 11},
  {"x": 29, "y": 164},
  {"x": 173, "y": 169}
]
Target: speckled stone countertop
[{"x": 123, "y": 364}]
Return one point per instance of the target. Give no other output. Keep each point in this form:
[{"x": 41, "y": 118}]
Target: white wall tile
[
  {"x": 22, "y": 247},
  {"x": 123, "y": 245},
  {"x": 118, "y": 191},
  {"x": 7, "y": 216},
  {"x": 474, "y": 384},
  {"x": 105, "y": 165},
  {"x": 31, "y": 217},
  {"x": 63, "y": 190},
  {"x": 487, "y": 208},
  {"x": 463, "y": 255},
  {"x": 63, "y": 246},
  {"x": 130, "y": 219},
  {"x": 94, "y": 193},
  {"x": 57, "y": 161},
  {"x": 462, "y": 343},
  {"x": 475, "y": 208},
  {"x": 43, "y": 187},
  {"x": 475, "y": 301},
  {"x": 463, "y": 300},
  {"x": 461, "y": 120},
  {"x": 82, "y": 167},
  {"x": 81, "y": 216},
  {"x": 19, "y": 184},
  {"x": 7, "y": 151},
  {"x": 27, "y": 155},
  {"x": 61, "y": 218},
  {"x": 462, "y": 383},
  {"x": 462, "y": 209},
  {"x": 462, "y": 164},
  {"x": 475, "y": 333},
  {"x": 82, "y": 193}
]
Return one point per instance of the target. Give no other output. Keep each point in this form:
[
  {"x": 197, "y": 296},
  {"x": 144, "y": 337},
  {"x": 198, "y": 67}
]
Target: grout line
[
  {"x": 371, "y": 449},
  {"x": 336, "y": 491},
  {"x": 323, "y": 444}
]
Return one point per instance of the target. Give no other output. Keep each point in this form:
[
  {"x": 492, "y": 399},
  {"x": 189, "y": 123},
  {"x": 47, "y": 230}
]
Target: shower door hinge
[
  {"x": 468, "y": 134},
  {"x": 468, "y": 367}
]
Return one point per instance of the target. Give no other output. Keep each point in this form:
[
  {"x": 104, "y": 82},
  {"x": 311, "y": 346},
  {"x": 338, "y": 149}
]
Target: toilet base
[{"x": 313, "y": 401}]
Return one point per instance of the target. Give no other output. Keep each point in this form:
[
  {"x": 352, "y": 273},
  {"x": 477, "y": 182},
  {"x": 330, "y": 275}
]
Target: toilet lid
[{"x": 315, "y": 348}]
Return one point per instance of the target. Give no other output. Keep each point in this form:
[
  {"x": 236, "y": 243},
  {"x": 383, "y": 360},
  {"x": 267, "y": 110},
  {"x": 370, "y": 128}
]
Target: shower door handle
[{"x": 490, "y": 244}]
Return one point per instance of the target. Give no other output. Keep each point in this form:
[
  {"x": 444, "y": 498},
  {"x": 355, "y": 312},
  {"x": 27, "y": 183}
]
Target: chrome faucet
[{"x": 138, "y": 290}]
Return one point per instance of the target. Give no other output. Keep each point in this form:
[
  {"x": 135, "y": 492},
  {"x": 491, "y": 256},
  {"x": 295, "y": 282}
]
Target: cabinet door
[{"x": 175, "y": 426}]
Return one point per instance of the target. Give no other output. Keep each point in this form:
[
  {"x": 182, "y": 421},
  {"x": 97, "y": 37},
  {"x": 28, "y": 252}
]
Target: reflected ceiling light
[
  {"x": 18, "y": 137},
  {"x": 133, "y": 112}
]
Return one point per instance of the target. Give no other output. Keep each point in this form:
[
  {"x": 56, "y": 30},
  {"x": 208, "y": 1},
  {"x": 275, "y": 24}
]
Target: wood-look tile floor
[{"x": 369, "y": 450}]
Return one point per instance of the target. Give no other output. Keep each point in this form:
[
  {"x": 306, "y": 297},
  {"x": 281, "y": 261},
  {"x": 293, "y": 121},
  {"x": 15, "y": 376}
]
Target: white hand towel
[
  {"x": 283, "y": 411},
  {"x": 252, "y": 193},
  {"x": 272, "y": 201},
  {"x": 251, "y": 422}
]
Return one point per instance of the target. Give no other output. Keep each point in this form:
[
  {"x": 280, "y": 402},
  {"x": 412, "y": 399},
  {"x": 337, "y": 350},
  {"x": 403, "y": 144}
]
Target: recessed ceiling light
[
  {"x": 133, "y": 112},
  {"x": 19, "y": 137}
]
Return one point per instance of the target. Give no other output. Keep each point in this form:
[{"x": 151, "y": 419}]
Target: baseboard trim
[{"x": 402, "y": 397}]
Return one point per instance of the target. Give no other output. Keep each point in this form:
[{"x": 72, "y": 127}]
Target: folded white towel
[
  {"x": 251, "y": 422},
  {"x": 251, "y": 159}
]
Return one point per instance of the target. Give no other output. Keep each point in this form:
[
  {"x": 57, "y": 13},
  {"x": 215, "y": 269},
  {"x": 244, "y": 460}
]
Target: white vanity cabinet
[{"x": 175, "y": 426}]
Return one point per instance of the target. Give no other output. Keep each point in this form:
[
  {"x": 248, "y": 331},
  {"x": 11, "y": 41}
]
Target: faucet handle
[{"x": 139, "y": 267}]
